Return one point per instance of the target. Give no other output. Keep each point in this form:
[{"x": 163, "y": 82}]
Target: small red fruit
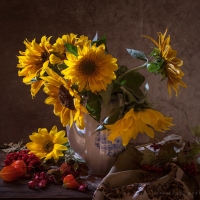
[
  {"x": 42, "y": 183},
  {"x": 9, "y": 173},
  {"x": 20, "y": 166},
  {"x": 32, "y": 184},
  {"x": 70, "y": 182},
  {"x": 82, "y": 187}
]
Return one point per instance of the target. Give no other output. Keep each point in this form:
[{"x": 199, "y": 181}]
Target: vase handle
[{"x": 77, "y": 139}]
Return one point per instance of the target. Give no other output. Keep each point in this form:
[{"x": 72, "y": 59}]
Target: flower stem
[
  {"x": 139, "y": 67},
  {"x": 134, "y": 69}
]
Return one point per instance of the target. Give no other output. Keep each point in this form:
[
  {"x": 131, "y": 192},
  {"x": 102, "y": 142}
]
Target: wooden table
[{"x": 19, "y": 189}]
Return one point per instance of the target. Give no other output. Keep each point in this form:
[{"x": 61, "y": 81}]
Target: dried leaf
[
  {"x": 65, "y": 167},
  {"x": 83, "y": 169},
  {"x": 167, "y": 152},
  {"x": 149, "y": 156},
  {"x": 181, "y": 158},
  {"x": 12, "y": 147},
  {"x": 57, "y": 175},
  {"x": 75, "y": 166}
]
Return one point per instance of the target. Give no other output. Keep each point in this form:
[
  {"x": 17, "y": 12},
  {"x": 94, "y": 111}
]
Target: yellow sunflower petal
[
  {"x": 35, "y": 87},
  {"x": 149, "y": 131},
  {"x": 54, "y": 59},
  {"x": 32, "y": 146},
  {"x": 145, "y": 117},
  {"x": 37, "y": 138},
  {"x": 53, "y": 131},
  {"x": 60, "y": 147},
  {"x": 49, "y": 155}
]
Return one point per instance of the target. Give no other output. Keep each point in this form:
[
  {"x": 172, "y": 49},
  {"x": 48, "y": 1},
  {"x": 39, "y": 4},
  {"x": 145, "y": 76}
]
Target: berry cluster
[
  {"x": 30, "y": 159},
  {"x": 152, "y": 168},
  {"x": 40, "y": 180},
  {"x": 155, "y": 146},
  {"x": 190, "y": 168}
]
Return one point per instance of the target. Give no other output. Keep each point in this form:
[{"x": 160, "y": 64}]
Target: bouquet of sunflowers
[{"x": 80, "y": 76}]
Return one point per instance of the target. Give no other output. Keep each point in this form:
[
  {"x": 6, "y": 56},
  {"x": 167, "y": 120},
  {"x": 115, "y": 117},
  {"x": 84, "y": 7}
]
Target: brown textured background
[{"x": 124, "y": 22}]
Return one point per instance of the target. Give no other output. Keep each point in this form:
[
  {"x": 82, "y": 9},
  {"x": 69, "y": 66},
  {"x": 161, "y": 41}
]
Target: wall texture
[{"x": 124, "y": 22}]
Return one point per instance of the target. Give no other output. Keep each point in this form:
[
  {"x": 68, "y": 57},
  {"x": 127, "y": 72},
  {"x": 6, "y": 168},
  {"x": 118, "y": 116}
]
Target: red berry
[
  {"x": 42, "y": 183},
  {"x": 32, "y": 184},
  {"x": 82, "y": 187}
]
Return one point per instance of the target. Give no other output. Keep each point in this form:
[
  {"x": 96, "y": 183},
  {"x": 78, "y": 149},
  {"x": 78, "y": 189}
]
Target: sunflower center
[
  {"x": 88, "y": 67},
  {"x": 44, "y": 56},
  {"x": 48, "y": 146},
  {"x": 65, "y": 98}
]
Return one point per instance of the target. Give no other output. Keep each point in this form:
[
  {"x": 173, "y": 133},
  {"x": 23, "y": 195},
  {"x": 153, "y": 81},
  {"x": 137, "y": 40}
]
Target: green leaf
[
  {"x": 137, "y": 54},
  {"x": 102, "y": 40},
  {"x": 114, "y": 116},
  {"x": 72, "y": 49},
  {"x": 153, "y": 67},
  {"x": 131, "y": 79},
  {"x": 62, "y": 66},
  {"x": 111, "y": 119},
  {"x": 106, "y": 94},
  {"x": 94, "y": 106},
  {"x": 148, "y": 156},
  {"x": 121, "y": 70},
  {"x": 136, "y": 92},
  {"x": 131, "y": 98},
  {"x": 56, "y": 69}
]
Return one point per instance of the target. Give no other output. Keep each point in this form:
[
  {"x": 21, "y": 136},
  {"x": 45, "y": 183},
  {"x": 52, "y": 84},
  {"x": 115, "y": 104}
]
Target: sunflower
[
  {"x": 33, "y": 61},
  {"x": 92, "y": 69},
  {"x": 83, "y": 41},
  {"x": 65, "y": 100},
  {"x": 133, "y": 122},
  {"x": 170, "y": 68},
  {"x": 47, "y": 145},
  {"x": 59, "y": 49}
]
